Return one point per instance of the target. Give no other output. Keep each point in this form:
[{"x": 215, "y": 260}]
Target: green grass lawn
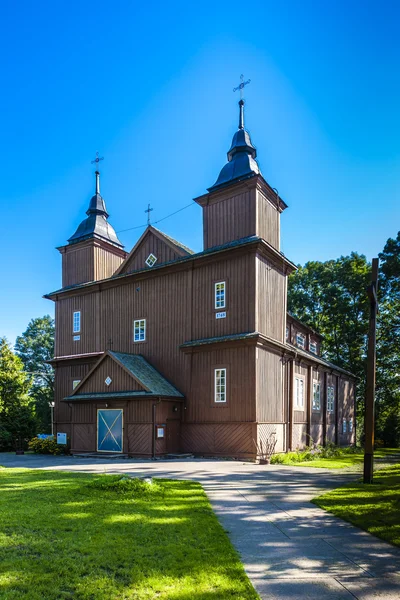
[
  {"x": 87, "y": 537},
  {"x": 374, "y": 507},
  {"x": 348, "y": 459}
]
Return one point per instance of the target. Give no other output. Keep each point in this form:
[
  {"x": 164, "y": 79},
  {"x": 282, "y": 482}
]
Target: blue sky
[{"x": 149, "y": 85}]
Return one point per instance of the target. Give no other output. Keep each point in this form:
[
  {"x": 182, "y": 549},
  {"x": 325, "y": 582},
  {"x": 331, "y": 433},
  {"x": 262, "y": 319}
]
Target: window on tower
[
  {"x": 76, "y": 322},
  {"x": 220, "y": 294}
]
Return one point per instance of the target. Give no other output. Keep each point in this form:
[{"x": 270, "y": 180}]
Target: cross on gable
[{"x": 148, "y": 211}]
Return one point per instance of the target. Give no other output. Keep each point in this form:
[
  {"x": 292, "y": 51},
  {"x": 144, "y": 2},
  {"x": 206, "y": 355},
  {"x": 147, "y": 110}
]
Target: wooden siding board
[
  {"x": 270, "y": 299},
  {"x": 151, "y": 244},
  {"x": 270, "y": 393}
]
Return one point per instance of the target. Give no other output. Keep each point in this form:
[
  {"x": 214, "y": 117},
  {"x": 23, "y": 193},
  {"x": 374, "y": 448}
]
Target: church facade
[{"x": 163, "y": 350}]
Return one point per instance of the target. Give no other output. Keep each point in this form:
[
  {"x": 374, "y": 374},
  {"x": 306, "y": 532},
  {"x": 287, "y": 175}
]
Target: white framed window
[
  {"x": 139, "y": 330},
  {"x": 76, "y": 321},
  {"x": 350, "y": 425},
  {"x": 330, "y": 399},
  {"x": 316, "y": 403},
  {"x": 151, "y": 260},
  {"x": 313, "y": 347},
  {"x": 344, "y": 426},
  {"x": 220, "y": 385},
  {"x": 299, "y": 392},
  {"x": 301, "y": 340},
  {"x": 75, "y": 383},
  {"x": 220, "y": 294}
]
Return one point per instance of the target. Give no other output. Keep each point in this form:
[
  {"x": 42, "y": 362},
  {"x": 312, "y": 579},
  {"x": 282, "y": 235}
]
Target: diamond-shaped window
[
  {"x": 151, "y": 260},
  {"x": 108, "y": 381}
]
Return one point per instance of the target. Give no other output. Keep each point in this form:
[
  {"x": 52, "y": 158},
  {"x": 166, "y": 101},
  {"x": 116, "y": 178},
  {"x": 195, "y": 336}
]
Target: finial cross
[
  {"x": 97, "y": 159},
  {"x": 241, "y": 86},
  {"x": 148, "y": 211}
]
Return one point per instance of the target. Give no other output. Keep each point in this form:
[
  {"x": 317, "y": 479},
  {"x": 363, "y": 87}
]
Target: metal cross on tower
[
  {"x": 148, "y": 211},
  {"x": 241, "y": 86},
  {"x": 97, "y": 159}
]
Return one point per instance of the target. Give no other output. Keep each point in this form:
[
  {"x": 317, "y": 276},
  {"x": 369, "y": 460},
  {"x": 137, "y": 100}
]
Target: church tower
[
  {"x": 241, "y": 203},
  {"x": 94, "y": 252}
]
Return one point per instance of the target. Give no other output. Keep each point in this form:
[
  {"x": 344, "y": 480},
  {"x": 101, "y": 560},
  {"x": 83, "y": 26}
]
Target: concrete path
[{"x": 290, "y": 548}]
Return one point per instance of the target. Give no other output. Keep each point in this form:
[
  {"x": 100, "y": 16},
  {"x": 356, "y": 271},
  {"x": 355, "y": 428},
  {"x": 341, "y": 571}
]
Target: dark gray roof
[
  {"x": 113, "y": 395},
  {"x": 146, "y": 374},
  {"x": 96, "y": 224},
  {"x": 175, "y": 242},
  {"x": 319, "y": 359},
  {"x": 222, "y": 338},
  {"x": 154, "y": 383},
  {"x": 242, "y": 155},
  {"x": 234, "y": 244}
]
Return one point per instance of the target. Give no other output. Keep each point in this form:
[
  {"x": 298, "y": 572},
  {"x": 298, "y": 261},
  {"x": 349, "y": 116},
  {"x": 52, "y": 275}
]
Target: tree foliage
[
  {"x": 16, "y": 414},
  {"x": 35, "y": 347},
  {"x": 331, "y": 297},
  {"x": 388, "y": 344}
]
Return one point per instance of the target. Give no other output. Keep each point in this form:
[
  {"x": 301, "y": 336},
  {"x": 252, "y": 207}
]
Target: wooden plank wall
[
  {"x": 220, "y": 439},
  {"x": 271, "y": 298},
  {"x": 121, "y": 380},
  {"x": 137, "y": 423},
  {"x": 240, "y": 407},
  {"x": 178, "y": 307},
  {"x": 231, "y": 218},
  {"x": 268, "y": 221},
  {"x": 151, "y": 244},
  {"x": 270, "y": 387}
]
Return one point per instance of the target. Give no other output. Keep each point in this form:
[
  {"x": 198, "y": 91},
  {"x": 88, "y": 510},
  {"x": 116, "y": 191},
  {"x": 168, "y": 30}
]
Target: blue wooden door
[{"x": 109, "y": 430}]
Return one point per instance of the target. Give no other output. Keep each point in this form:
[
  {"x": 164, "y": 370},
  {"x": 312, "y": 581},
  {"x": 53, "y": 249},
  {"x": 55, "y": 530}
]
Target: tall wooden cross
[
  {"x": 241, "y": 86},
  {"x": 369, "y": 419},
  {"x": 148, "y": 211},
  {"x": 97, "y": 159}
]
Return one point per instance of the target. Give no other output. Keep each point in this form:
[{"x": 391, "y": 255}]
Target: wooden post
[
  {"x": 369, "y": 421},
  {"x": 325, "y": 408},
  {"x": 291, "y": 403},
  {"x": 309, "y": 401},
  {"x": 336, "y": 407}
]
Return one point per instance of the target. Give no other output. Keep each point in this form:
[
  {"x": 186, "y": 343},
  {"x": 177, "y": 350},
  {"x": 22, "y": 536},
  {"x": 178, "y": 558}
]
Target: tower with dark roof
[
  {"x": 94, "y": 251},
  {"x": 241, "y": 203}
]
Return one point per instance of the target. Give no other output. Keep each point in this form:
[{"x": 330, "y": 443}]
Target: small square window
[
  {"x": 316, "y": 403},
  {"x": 75, "y": 383},
  {"x": 76, "y": 321},
  {"x": 220, "y": 294},
  {"x": 139, "y": 330},
  {"x": 108, "y": 380},
  {"x": 151, "y": 260},
  {"x": 313, "y": 347},
  {"x": 220, "y": 385},
  {"x": 301, "y": 340}
]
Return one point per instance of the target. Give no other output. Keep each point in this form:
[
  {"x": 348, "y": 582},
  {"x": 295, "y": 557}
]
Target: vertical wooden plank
[
  {"x": 291, "y": 404},
  {"x": 324, "y": 408},
  {"x": 310, "y": 391}
]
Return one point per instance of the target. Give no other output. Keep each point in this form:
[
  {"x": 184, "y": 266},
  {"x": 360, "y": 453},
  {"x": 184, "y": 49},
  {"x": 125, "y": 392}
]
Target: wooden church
[{"x": 164, "y": 350}]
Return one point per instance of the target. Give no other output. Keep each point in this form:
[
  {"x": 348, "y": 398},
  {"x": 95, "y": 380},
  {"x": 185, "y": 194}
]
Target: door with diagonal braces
[{"x": 110, "y": 430}]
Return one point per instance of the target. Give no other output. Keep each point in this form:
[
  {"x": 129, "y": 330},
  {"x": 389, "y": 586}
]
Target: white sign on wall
[
  {"x": 220, "y": 315},
  {"x": 61, "y": 438}
]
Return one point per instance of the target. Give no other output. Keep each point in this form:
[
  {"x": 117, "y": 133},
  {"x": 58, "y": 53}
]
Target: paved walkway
[{"x": 290, "y": 548}]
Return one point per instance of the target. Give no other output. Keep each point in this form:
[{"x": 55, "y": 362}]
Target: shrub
[
  {"x": 123, "y": 484},
  {"x": 47, "y": 446}
]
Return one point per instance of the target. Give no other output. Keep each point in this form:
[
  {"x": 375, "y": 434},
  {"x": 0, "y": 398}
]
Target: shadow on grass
[{"x": 60, "y": 538}]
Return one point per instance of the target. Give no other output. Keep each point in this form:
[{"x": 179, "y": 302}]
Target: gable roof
[
  {"x": 152, "y": 382},
  {"x": 179, "y": 248}
]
